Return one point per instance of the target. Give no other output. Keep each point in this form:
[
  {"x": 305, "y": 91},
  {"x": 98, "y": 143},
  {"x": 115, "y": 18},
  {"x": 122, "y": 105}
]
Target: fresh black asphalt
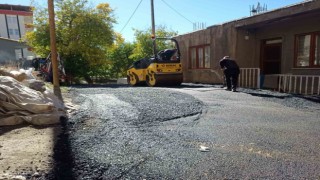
[{"x": 121, "y": 132}]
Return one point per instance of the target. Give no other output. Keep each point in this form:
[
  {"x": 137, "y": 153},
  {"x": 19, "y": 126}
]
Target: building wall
[
  {"x": 229, "y": 39},
  {"x": 8, "y": 50},
  {"x": 222, "y": 41},
  {"x": 288, "y": 30},
  {"x": 14, "y": 24},
  {"x": 247, "y": 50},
  {"x": 3, "y": 27}
]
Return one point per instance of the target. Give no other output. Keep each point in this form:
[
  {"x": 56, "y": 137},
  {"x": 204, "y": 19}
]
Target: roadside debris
[
  {"x": 204, "y": 148},
  {"x": 7, "y": 176},
  {"x": 33, "y": 104}
]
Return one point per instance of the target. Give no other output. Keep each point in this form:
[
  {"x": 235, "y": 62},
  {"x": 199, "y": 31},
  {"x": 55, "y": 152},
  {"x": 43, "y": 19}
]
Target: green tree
[
  {"x": 120, "y": 57},
  {"x": 144, "y": 45},
  {"x": 83, "y": 36},
  {"x": 39, "y": 39},
  {"x": 122, "y": 54}
]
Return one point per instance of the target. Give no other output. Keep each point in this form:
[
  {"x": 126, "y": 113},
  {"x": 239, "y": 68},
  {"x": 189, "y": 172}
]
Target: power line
[
  {"x": 176, "y": 11},
  {"x": 131, "y": 16}
]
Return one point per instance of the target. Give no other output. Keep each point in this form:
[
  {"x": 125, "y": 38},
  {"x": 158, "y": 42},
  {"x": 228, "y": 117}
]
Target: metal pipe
[
  {"x": 301, "y": 80},
  {"x": 312, "y": 85},
  {"x": 295, "y": 84},
  {"x": 318, "y": 85},
  {"x": 306, "y": 89},
  {"x": 279, "y": 85},
  {"x": 290, "y": 79},
  {"x": 258, "y": 79}
]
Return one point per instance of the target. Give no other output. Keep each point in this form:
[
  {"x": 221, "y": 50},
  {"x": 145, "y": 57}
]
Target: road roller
[{"x": 163, "y": 69}]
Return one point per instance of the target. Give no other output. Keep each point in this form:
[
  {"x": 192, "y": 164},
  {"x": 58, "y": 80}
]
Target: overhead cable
[
  {"x": 131, "y": 16},
  {"x": 176, "y": 11}
]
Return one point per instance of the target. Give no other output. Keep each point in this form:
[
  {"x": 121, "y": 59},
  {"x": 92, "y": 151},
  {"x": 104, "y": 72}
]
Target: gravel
[
  {"x": 115, "y": 133},
  {"x": 122, "y": 132}
]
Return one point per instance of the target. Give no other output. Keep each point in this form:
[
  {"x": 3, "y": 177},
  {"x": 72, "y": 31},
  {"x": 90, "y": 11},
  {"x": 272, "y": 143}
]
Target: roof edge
[
  {"x": 303, "y": 3},
  {"x": 7, "y": 39}
]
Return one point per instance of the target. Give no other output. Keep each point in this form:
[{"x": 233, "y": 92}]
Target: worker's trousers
[{"x": 231, "y": 77}]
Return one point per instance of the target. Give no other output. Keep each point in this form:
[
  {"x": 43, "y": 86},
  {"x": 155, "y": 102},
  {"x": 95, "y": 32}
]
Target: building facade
[
  {"x": 15, "y": 21},
  {"x": 10, "y": 50},
  {"x": 284, "y": 41}
]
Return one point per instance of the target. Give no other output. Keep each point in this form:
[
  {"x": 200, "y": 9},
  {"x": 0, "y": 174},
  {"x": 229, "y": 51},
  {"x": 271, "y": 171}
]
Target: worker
[{"x": 231, "y": 72}]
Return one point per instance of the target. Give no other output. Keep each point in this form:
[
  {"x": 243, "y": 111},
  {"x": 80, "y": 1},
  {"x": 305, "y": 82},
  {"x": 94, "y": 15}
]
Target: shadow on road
[
  {"x": 268, "y": 95},
  {"x": 62, "y": 155},
  {"x": 184, "y": 85},
  {"x": 312, "y": 98}
]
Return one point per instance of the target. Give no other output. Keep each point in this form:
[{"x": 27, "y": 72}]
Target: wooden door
[{"x": 271, "y": 56}]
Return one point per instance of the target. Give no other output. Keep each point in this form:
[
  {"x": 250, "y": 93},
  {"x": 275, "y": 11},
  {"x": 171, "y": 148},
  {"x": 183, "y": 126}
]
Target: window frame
[
  {"x": 196, "y": 64},
  {"x": 312, "y": 50}
]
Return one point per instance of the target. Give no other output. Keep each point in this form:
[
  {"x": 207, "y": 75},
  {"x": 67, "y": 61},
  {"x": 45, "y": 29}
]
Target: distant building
[
  {"x": 10, "y": 51},
  {"x": 278, "y": 49},
  {"x": 15, "y": 21}
]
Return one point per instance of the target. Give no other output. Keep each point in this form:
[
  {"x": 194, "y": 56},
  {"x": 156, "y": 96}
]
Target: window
[
  {"x": 317, "y": 50},
  {"x": 193, "y": 58},
  {"x": 199, "y": 57},
  {"x": 307, "y": 50},
  {"x": 11, "y": 31},
  {"x": 16, "y": 32},
  {"x": 18, "y": 53},
  {"x": 207, "y": 57},
  {"x": 12, "y": 19}
]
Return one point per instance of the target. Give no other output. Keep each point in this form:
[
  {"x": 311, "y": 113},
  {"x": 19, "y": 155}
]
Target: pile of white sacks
[{"x": 23, "y": 99}]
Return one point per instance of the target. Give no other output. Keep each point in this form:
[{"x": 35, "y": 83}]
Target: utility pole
[
  {"x": 54, "y": 61},
  {"x": 153, "y": 29}
]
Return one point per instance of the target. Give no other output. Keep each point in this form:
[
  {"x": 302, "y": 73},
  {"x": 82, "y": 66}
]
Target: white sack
[
  {"x": 19, "y": 103},
  {"x": 18, "y": 75}
]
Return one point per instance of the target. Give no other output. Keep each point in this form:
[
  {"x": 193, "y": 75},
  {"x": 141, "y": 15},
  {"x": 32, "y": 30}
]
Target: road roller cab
[{"x": 164, "y": 69}]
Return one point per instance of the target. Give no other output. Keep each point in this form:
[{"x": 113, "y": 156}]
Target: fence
[
  {"x": 300, "y": 84},
  {"x": 249, "y": 78}
]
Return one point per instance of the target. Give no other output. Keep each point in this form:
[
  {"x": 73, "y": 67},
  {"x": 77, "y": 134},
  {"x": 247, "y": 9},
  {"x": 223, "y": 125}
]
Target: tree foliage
[
  {"x": 120, "y": 57},
  {"x": 144, "y": 44},
  {"x": 122, "y": 54},
  {"x": 39, "y": 39},
  {"x": 83, "y": 35},
  {"x": 86, "y": 40}
]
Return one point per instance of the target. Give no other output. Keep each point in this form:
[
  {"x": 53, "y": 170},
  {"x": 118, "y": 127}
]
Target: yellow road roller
[{"x": 164, "y": 69}]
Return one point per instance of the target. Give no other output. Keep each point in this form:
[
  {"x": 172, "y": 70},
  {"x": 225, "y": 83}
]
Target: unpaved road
[{"x": 155, "y": 133}]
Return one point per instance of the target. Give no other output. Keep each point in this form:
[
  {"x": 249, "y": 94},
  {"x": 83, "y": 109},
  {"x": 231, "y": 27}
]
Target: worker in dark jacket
[{"x": 231, "y": 72}]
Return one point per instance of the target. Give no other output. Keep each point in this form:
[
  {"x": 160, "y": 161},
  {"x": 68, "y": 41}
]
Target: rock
[
  {"x": 35, "y": 84},
  {"x": 122, "y": 81},
  {"x": 8, "y": 176},
  {"x": 36, "y": 174},
  {"x": 204, "y": 148},
  {"x": 18, "y": 178}
]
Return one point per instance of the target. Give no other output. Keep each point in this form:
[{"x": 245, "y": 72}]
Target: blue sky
[{"x": 176, "y": 15}]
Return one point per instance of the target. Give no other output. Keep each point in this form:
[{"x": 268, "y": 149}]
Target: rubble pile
[{"x": 25, "y": 99}]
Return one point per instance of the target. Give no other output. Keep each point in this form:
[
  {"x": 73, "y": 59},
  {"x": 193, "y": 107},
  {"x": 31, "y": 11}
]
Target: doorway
[{"x": 271, "y": 51}]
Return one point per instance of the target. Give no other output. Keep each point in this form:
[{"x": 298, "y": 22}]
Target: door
[{"x": 271, "y": 56}]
